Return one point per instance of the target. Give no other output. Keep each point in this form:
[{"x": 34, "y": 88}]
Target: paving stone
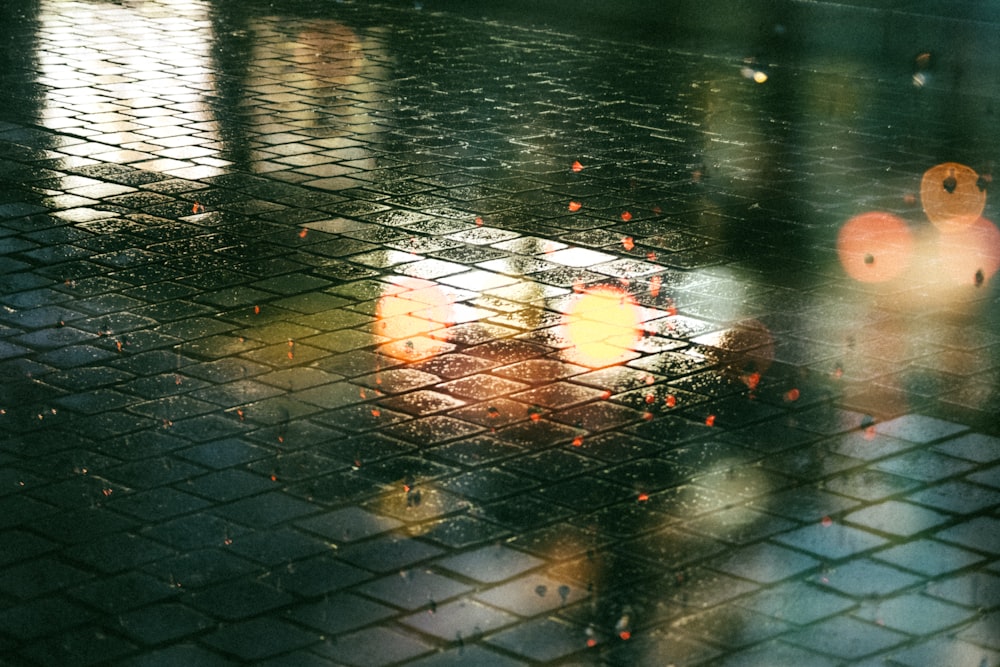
[
  {"x": 163, "y": 622},
  {"x": 43, "y": 616},
  {"x": 202, "y": 567},
  {"x": 913, "y": 614},
  {"x": 376, "y": 646},
  {"x": 349, "y": 524},
  {"x": 797, "y": 602},
  {"x": 742, "y": 627},
  {"x": 831, "y": 542},
  {"x": 776, "y": 652},
  {"x": 388, "y": 553},
  {"x": 979, "y": 533},
  {"x": 465, "y": 655},
  {"x": 971, "y": 447},
  {"x": 934, "y": 651},
  {"x": 532, "y": 595},
  {"x": 846, "y": 638},
  {"x": 414, "y": 589},
  {"x": 897, "y": 518},
  {"x": 341, "y": 612},
  {"x": 90, "y": 645},
  {"x": 819, "y": 449},
  {"x": 235, "y": 600},
  {"x": 490, "y": 564},
  {"x": 258, "y": 638},
  {"x": 918, "y": 428},
  {"x": 765, "y": 563},
  {"x": 865, "y": 577},
  {"x": 277, "y": 545}
]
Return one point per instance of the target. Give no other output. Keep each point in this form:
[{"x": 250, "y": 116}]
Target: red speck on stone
[
  {"x": 605, "y": 394},
  {"x": 648, "y": 416},
  {"x": 626, "y": 216},
  {"x": 575, "y": 206},
  {"x": 578, "y": 441},
  {"x": 792, "y": 395},
  {"x": 628, "y": 243},
  {"x": 670, "y": 400},
  {"x": 577, "y": 167},
  {"x": 643, "y": 497},
  {"x": 650, "y": 399},
  {"x": 303, "y": 232},
  {"x": 710, "y": 420}
]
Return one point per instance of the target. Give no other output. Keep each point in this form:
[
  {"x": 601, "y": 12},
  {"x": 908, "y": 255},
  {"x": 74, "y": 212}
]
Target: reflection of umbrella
[
  {"x": 952, "y": 196},
  {"x": 970, "y": 256},
  {"x": 874, "y": 247},
  {"x": 602, "y": 324}
]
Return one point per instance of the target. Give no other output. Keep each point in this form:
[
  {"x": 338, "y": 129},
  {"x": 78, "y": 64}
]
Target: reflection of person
[{"x": 17, "y": 63}]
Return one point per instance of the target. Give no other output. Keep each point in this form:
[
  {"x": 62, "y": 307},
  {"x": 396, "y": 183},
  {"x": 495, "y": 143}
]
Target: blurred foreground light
[
  {"x": 952, "y": 196},
  {"x": 874, "y": 247},
  {"x": 971, "y": 255},
  {"x": 602, "y": 325}
]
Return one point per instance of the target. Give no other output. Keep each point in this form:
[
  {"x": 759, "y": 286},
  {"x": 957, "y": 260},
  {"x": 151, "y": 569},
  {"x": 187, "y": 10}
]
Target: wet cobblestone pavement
[{"x": 352, "y": 334}]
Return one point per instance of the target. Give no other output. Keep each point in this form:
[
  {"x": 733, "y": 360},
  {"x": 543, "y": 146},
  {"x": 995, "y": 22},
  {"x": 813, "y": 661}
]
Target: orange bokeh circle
[
  {"x": 874, "y": 247},
  {"x": 951, "y": 196}
]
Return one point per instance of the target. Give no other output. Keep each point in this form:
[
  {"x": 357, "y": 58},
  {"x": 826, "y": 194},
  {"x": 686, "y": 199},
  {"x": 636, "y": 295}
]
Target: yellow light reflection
[
  {"x": 415, "y": 315},
  {"x": 602, "y": 325}
]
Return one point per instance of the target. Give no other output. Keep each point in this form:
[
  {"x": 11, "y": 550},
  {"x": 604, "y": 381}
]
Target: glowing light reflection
[
  {"x": 602, "y": 324},
  {"x": 415, "y": 315}
]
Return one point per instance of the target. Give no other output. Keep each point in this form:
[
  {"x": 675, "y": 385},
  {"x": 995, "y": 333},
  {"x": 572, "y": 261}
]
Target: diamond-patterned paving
[{"x": 350, "y": 333}]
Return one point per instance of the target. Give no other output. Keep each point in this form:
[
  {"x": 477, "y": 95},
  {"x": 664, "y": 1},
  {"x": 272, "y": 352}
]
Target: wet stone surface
[{"x": 383, "y": 334}]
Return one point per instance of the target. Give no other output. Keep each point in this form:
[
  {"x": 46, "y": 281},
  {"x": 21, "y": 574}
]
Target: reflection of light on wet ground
[
  {"x": 952, "y": 196},
  {"x": 414, "y": 315},
  {"x": 125, "y": 80},
  {"x": 602, "y": 325},
  {"x": 745, "y": 350},
  {"x": 874, "y": 247}
]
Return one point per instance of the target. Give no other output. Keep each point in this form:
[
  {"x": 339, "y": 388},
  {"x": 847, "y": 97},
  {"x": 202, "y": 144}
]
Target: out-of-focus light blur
[
  {"x": 971, "y": 255},
  {"x": 602, "y": 324},
  {"x": 875, "y": 247},
  {"x": 952, "y": 196}
]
